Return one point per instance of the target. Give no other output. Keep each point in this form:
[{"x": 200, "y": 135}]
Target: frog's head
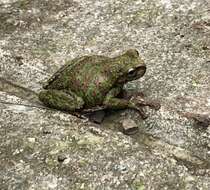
[{"x": 132, "y": 66}]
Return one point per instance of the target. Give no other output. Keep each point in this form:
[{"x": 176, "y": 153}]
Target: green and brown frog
[{"x": 95, "y": 81}]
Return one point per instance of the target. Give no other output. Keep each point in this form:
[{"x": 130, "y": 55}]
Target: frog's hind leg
[{"x": 61, "y": 100}]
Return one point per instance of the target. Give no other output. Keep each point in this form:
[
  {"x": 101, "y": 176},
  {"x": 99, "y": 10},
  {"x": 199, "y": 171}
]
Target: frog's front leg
[
  {"x": 117, "y": 103},
  {"x": 64, "y": 100}
]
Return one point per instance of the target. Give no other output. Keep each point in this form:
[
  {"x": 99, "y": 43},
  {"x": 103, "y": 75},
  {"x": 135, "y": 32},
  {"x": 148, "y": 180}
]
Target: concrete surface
[{"x": 46, "y": 149}]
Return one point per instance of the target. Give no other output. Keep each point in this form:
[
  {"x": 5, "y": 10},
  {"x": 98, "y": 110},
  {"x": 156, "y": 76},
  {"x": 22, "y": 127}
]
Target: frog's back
[{"x": 61, "y": 78}]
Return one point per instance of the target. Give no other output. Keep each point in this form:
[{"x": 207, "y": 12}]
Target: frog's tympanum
[{"x": 93, "y": 81}]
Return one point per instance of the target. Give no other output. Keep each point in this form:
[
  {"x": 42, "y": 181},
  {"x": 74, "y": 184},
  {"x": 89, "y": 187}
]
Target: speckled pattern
[{"x": 172, "y": 148}]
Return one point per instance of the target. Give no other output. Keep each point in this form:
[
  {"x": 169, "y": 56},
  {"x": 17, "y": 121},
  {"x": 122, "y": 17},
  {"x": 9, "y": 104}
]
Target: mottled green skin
[{"x": 91, "y": 81}]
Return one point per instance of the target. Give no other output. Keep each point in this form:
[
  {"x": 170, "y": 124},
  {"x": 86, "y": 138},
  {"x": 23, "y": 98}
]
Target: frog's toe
[{"x": 142, "y": 113}]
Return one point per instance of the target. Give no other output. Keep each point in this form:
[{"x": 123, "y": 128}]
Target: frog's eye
[{"x": 131, "y": 72}]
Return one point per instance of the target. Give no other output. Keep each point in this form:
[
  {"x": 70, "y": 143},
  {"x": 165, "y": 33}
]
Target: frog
[{"x": 95, "y": 81}]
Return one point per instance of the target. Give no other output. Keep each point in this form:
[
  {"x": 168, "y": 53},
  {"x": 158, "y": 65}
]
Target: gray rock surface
[{"x": 46, "y": 149}]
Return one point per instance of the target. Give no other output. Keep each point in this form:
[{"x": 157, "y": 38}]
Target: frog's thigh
[{"x": 61, "y": 100}]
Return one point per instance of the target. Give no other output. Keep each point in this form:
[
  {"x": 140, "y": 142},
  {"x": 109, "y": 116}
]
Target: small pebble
[
  {"x": 61, "y": 157},
  {"x": 97, "y": 117},
  {"x": 129, "y": 127}
]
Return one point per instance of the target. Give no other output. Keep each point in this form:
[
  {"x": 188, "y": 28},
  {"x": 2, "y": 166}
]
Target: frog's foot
[
  {"x": 112, "y": 101},
  {"x": 140, "y": 101}
]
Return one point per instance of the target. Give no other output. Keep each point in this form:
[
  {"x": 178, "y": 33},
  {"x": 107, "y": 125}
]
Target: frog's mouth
[{"x": 132, "y": 74}]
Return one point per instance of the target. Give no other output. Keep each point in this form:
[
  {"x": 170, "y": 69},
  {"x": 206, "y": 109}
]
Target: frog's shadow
[{"x": 99, "y": 116}]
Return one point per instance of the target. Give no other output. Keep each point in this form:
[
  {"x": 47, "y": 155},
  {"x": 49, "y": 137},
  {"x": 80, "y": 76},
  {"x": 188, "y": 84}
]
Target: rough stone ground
[{"x": 46, "y": 149}]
